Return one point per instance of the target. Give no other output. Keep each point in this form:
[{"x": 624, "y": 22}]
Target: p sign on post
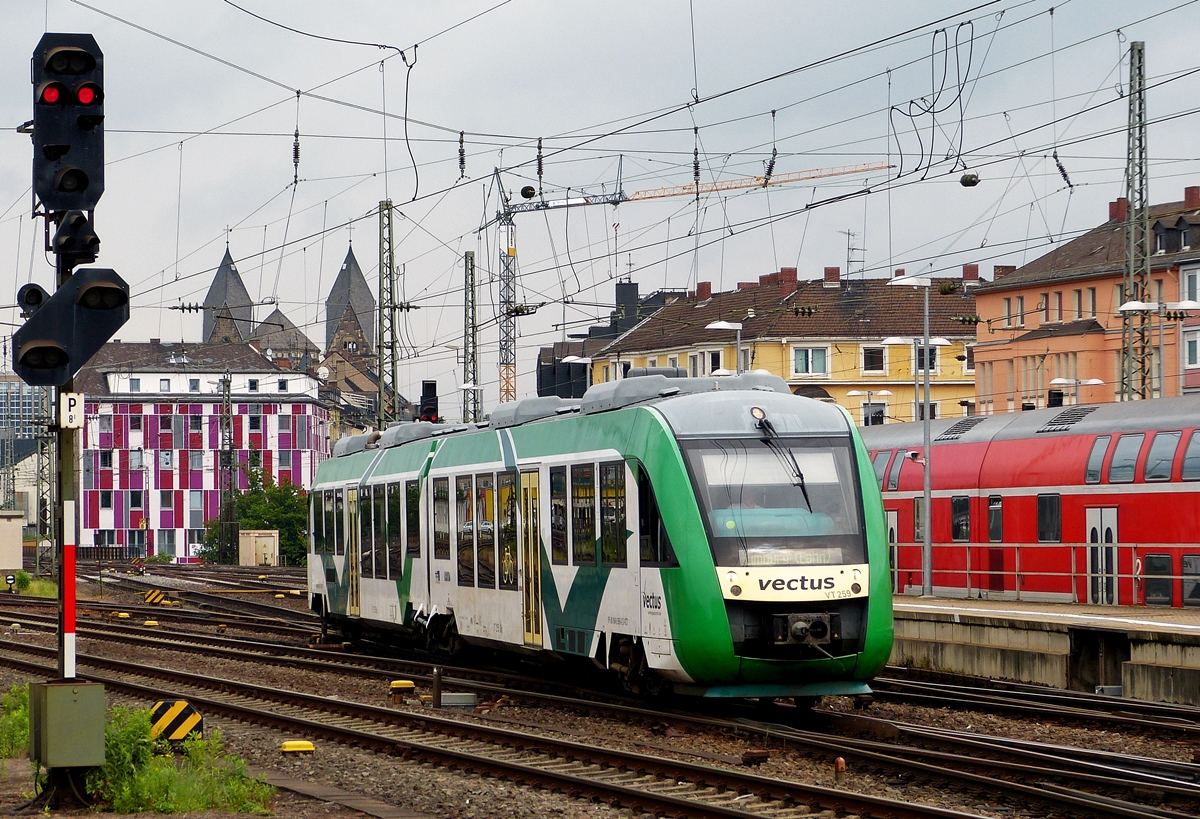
[{"x": 70, "y": 410}]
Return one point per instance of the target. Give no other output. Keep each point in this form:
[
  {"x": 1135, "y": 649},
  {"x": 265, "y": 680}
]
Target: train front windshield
[{"x": 779, "y": 502}]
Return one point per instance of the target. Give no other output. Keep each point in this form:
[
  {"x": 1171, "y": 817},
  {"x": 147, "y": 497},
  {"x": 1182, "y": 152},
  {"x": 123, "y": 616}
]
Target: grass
[
  {"x": 14, "y": 722},
  {"x": 138, "y": 776},
  {"x": 40, "y": 587}
]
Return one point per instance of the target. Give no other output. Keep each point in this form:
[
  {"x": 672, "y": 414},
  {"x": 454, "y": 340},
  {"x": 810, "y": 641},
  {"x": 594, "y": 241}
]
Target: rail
[{"x": 1129, "y": 574}]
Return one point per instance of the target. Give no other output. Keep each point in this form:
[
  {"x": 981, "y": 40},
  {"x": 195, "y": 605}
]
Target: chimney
[
  {"x": 1116, "y": 210},
  {"x": 970, "y": 275},
  {"x": 768, "y": 279},
  {"x": 746, "y": 285},
  {"x": 1191, "y": 198},
  {"x": 833, "y": 277},
  {"x": 1001, "y": 270},
  {"x": 787, "y": 282},
  {"x": 704, "y": 291},
  {"x": 899, "y": 272}
]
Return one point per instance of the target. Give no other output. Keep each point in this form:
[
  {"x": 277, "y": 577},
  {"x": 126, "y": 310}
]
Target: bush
[
  {"x": 14, "y": 722},
  {"x": 41, "y": 587},
  {"x": 135, "y": 778},
  {"x": 23, "y": 580},
  {"x": 159, "y": 557}
]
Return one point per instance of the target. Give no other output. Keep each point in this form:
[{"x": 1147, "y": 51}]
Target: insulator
[
  {"x": 296, "y": 157},
  {"x": 696, "y": 165},
  {"x": 770, "y": 167},
  {"x": 539, "y": 161},
  {"x": 462, "y": 154}
]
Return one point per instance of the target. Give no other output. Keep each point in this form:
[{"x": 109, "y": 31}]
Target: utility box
[
  {"x": 66, "y": 724},
  {"x": 12, "y": 551},
  {"x": 258, "y": 547}
]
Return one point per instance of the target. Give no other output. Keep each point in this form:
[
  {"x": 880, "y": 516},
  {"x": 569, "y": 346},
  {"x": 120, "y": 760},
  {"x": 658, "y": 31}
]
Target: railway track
[
  {"x": 986, "y": 765},
  {"x": 638, "y": 781}
]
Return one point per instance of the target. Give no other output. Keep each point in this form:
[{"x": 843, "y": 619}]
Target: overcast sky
[{"x": 201, "y": 107}]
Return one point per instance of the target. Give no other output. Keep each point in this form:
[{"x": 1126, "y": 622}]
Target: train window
[
  {"x": 655, "y": 547},
  {"x": 1096, "y": 459},
  {"x": 485, "y": 526},
  {"x": 506, "y": 508},
  {"x": 612, "y": 514},
  {"x": 412, "y": 516},
  {"x": 464, "y": 506},
  {"x": 366, "y": 567},
  {"x": 1162, "y": 456},
  {"x": 880, "y": 462},
  {"x": 1049, "y": 518},
  {"x": 558, "y": 515},
  {"x": 379, "y": 515},
  {"x": 583, "y": 514},
  {"x": 316, "y": 521},
  {"x": 960, "y": 517},
  {"x": 1191, "y": 459},
  {"x": 339, "y": 520},
  {"x": 995, "y": 518},
  {"x": 395, "y": 531},
  {"x": 918, "y": 516},
  {"x": 331, "y": 539},
  {"x": 441, "y": 518},
  {"x": 894, "y": 474},
  {"x": 1158, "y": 582},
  {"x": 1124, "y": 459}
]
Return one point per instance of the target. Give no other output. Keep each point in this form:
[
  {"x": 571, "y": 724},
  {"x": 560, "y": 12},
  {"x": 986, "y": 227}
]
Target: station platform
[{"x": 1144, "y": 653}]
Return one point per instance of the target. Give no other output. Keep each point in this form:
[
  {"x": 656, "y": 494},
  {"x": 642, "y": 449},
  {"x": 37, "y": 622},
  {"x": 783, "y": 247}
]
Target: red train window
[{"x": 1162, "y": 456}]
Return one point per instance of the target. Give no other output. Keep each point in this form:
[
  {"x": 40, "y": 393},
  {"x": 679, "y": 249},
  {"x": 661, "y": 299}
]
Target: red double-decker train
[{"x": 1096, "y": 503}]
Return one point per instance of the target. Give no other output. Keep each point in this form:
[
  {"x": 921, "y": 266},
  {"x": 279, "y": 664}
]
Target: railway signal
[
  {"x": 429, "y": 401},
  {"x": 68, "y": 122}
]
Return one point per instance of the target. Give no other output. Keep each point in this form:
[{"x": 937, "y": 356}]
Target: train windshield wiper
[{"x": 792, "y": 465}]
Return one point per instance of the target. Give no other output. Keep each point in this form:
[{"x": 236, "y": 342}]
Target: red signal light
[
  {"x": 86, "y": 94},
  {"x": 51, "y": 94}
]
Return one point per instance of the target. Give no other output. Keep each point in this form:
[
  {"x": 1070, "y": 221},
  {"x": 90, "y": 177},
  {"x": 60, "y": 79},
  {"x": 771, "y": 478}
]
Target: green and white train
[{"x": 717, "y": 536}]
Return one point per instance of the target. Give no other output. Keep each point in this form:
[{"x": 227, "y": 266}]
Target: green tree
[{"x": 266, "y": 505}]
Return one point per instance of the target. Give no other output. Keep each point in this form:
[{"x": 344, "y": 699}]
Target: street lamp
[
  {"x": 868, "y": 393},
  {"x": 1159, "y": 308},
  {"x": 1076, "y": 383},
  {"x": 925, "y": 281},
  {"x": 730, "y": 325}
]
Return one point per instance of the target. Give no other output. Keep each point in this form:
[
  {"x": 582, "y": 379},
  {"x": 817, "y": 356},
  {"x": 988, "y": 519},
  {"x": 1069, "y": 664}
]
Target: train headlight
[
  {"x": 731, "y": 577},
  {"x": 856, "y": 574},
  {"x": 757, "y": 413},
  {"x": 735, "y": 590},
  {"x": 855, "y": 588}
]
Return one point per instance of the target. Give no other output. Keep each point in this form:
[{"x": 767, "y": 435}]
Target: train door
[
  {"x": 1102, "y": 555},
  {"x": 893, "y": 526},
  {"x": 531, "y": 549},
  {"x": 352, "y": 555}
]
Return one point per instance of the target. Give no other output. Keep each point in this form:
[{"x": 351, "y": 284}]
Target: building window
[
  {"x": 135, "y": 422},
  {"x": 872, "y": 359},
  {"x": 651, "y": 362},
  {"x": 746, "y": 359},
  {"x": 693, "y": 366},
  {"x": 1021, "y": 311},
  {"x": 1049, "y": 518},
  {"x": 969, "y": 364},
  {"x": 166, "y": 499},
  {"x": 1058, "y": 306},
  {"x": 1008, "y": 313},
  {"x": 164, "y": 385},
  {"x": 1091, "y": 302},
  {"x": 135, "y": 385},
  {"x": 195, "y": 423},
  {"x": 196, "y": 509},
  {"x": 1191, "y": 284},
  {"x": 1160, "y": 242},
  {"x": 106, "y": 499},
  {"x": 255, "y": 423},
  {"x": 1045, "y": 308},
  {"x": 106, "y": 423},
  {"x": 283, "y": 385},
  {"x": 252, "y": 385},
  {"x": 960, "y": 517},
  {"x": 106, "y": 459},
  {"x": 933, "y": 358},
  {"x": 933, "y": 411},
  {"x": 135, "y": 459},
  {"x": 135, "y": 499},
  {"x": 1078, "y": 295},
  {"x": 196, "y": 460},
  {"x": 193, "y": 385},
  {"x": 166, "y": 459},
  {"x": 873, "y": 414},
  {"x": 673, "y": 361},
  {"x": 809, "y": 361},
  {"x": 605, "y": 368},
  {"x": 284, "y": 422},
  {"x": 166, "y": 542},
  {"x": 714, "y": 361},
  {"x": 1191, "y": 343}
]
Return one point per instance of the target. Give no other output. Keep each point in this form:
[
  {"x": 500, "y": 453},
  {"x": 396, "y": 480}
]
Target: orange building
[{"x": 1057, "y": 317}]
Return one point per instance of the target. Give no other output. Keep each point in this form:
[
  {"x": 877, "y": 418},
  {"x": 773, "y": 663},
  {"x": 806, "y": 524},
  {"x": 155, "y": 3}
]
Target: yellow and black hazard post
[
  {"x": 154, "y": 597},
  {"x": 175, "y": 720}
]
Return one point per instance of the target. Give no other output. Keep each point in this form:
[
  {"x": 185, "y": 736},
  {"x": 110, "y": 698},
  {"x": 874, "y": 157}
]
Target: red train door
[
  {"x": 1102, "y": 555},
  {"x": 893, "y": 526}
]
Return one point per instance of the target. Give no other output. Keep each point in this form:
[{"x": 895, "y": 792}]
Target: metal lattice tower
[
  {"x": 472, "y": 396},
  {"x": 8, "y": 457},
  {"x": 387, "y": 347},
  {"x": 508, "y": 308},
  {"x": 44, "y": 551},
  {"x": 1137, "y": 349},
  {"x": 227, "y": 545}
]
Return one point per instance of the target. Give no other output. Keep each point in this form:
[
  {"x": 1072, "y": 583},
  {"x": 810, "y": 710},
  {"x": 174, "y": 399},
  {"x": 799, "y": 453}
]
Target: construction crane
[{"x": 509, "y": 309}]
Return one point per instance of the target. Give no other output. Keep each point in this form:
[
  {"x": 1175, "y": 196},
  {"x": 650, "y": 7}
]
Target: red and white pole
[{"x": 67, "y": 592}]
